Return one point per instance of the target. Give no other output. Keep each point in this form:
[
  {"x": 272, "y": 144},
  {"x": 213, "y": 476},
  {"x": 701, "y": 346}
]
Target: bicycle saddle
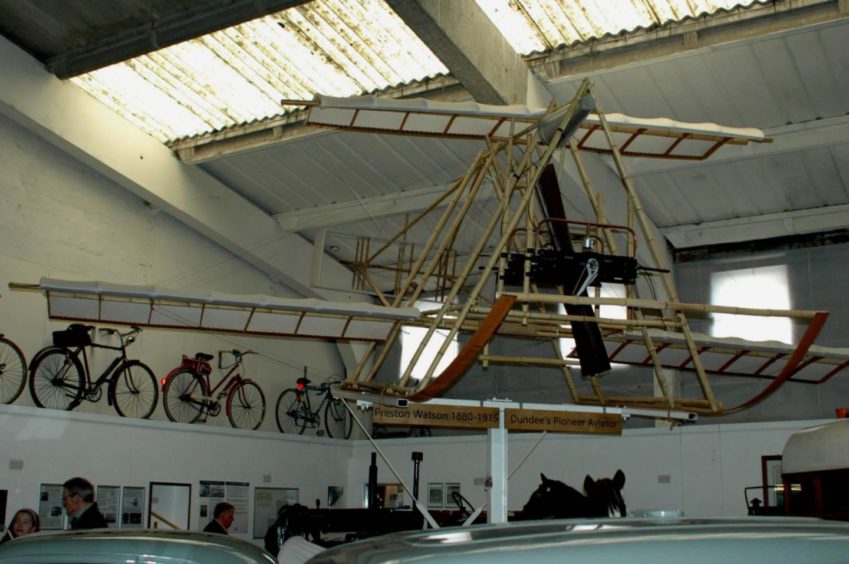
[
  {"x": 204, "y": 356},
  {"x": 302, "y": 383}
]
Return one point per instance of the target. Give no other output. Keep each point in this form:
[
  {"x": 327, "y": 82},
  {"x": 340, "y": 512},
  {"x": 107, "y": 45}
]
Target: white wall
[
  {"x": 57, "y": 445},
  {"x": 60, "y": 219},
  {"x": 701, "y": 470},
  {"x": 707, "y": 466}
]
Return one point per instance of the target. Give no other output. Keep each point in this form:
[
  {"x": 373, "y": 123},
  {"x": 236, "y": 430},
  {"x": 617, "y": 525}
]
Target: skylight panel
[
  {"x": 538, "y": 25},
  {"x": 240, "y": 74}
]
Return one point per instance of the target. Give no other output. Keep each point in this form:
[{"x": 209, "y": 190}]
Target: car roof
[
  {"x": 641, "y": 541},
  {"x": 128, "y": 545}
]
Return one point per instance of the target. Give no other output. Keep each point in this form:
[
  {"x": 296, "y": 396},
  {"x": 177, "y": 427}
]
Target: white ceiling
[
  {"x": 795, "y": 85},
  {"x": 792, "y": 82}
]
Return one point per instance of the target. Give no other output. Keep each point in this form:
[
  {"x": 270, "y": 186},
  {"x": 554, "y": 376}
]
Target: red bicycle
[{"x": 188, "y": 395}]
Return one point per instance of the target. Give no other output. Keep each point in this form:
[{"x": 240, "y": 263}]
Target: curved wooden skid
[
  {"x": 466, "y": 357},
  {"x": 789, "y": 369}
]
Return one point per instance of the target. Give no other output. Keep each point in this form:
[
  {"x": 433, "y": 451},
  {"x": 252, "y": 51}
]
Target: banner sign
[
  {"x": 563, "y": 421},
  {"x": 468, "y": 417},
  {"x": 455, "y": 416}
]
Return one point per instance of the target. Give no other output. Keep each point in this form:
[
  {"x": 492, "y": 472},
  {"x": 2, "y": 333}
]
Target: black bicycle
[
  {"x": 13, "y": 370},
  {"x": 295, "y": 413},
  {"x": 59, "y": 380}
]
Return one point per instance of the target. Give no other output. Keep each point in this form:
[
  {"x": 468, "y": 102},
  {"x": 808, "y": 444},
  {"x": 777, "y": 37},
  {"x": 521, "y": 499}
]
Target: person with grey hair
[
  {"x": 78, "y": 501},
  {"x": 223, "y": 516}
]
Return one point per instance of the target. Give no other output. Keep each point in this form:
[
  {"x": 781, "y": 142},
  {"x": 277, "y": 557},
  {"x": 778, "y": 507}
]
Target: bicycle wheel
[
  {"x": 133, "y": 390},
  {"x": 56, "y": 379},
  {"x": 338, "y": 421},
  {"x": 13, "y": 371},
  {"x": 245, "y": 405},
  {"x": 290, "y": 412},
  {"x": 183, "y": 396}
]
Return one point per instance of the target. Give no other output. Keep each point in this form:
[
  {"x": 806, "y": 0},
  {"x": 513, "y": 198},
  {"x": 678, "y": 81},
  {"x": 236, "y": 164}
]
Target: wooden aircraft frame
[
  {"x": 517, "y": 149},
  {"x": 476, "y": 296}
]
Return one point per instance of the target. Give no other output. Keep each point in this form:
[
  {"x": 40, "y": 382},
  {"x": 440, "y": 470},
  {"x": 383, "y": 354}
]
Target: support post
[
  {"x": 498, "y": 467},
  {"x": 417, "y": 460}
]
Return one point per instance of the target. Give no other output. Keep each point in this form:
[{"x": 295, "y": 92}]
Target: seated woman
[{"x": 24, "y": 523}]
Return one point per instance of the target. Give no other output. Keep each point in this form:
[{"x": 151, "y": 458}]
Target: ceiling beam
[
  {"x": 768, "y": 226},
  {"x": 461, "y": 35},
  {"x": 203, "y": 18},
  {"x": 75, "y": 122},
  {"x": 360, "y": 210},
  {"x": 739, "y": 24}
]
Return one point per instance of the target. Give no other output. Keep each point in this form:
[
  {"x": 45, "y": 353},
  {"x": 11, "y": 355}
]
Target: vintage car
[
  {"x": 133, "y": 546},
  {"x": 643, "y": 541}
]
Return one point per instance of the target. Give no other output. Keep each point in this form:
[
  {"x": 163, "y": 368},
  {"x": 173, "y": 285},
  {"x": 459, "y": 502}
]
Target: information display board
[
  {"x": 51, "y": 514},
  {"x": 472, "y": 417},
  {"x": 132, "y": 507},
  {"x": 108, "y": 500},
  {"x": 267, "y": 502}
]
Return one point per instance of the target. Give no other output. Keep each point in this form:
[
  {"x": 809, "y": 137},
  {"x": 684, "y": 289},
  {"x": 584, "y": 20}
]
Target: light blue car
[{"x": 131, "y": 546}]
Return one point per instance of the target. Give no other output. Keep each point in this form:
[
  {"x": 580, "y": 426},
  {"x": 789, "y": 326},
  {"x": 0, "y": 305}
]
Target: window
[
  {"x": 412, "y": 336},
  {"x": 763, "y": 287}
]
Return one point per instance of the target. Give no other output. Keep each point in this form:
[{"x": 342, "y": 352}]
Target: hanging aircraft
[{"x": 529, "y": 272}]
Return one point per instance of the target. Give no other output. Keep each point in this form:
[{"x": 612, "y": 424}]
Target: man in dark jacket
[
  {"x": 78, "y": 500},
  {"x": 222, "y": 518}
]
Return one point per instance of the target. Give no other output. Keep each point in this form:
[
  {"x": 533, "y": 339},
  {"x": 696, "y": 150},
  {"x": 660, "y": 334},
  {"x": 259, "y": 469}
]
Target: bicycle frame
[
  {"x": 107, "y": 372},
  {"x": 230, "y": 378},
  {"x": 323, "y": 390}
]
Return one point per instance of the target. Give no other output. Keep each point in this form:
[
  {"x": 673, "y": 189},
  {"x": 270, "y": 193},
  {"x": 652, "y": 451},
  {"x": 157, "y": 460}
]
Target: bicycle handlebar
[
  {"x": 236, "y": 352},
  {"x": 126, "y": 338}
]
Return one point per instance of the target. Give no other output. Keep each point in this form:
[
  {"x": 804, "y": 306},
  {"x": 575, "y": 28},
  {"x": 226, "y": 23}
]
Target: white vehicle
[
  {"x": 640, "y": 541},
  {"x": 148, "y": 546},
  {"x": 815, "y": 471}
]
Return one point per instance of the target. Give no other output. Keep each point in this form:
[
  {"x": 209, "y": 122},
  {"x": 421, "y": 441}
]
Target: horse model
[{"x": 555, "y": 500}]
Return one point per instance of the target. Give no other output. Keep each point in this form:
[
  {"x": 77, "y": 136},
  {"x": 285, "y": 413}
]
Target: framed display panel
[
  {"x": 108, "y": 500},
  {"x": 213, "y": 492},
  {"x": 51, "y": 514},
  {"x": 3, "y": 495},
  {"x": 773, "y": 485},
  {"x": 450, "y": 488},
  {"x": 385, "y": 494},
  {"x": 267, "y": 502},
  {"x": 132, "y": 507},
  {"x": 170, "y": 505},
  {"x": 435, "y": 495},
  {"x": 333, "y": 494}
]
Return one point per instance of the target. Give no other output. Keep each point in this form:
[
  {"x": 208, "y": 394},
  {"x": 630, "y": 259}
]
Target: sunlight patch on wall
[
  {"x": 764, "y": 287},
  {"x": 412, "y": 336}
]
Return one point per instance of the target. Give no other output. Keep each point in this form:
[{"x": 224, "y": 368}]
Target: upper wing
[
  {"x": 642, "y": 137},
  {"x": 262, "y": 315}
]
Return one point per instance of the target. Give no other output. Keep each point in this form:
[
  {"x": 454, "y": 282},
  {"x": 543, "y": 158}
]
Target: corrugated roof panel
[
  {"x": 540, "y": 25},
  {"x": 240, "y": 74}
]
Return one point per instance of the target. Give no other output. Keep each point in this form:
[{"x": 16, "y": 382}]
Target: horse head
[
  {"x": 604, "y": 496},
  {"x": 553, "y": 499}
]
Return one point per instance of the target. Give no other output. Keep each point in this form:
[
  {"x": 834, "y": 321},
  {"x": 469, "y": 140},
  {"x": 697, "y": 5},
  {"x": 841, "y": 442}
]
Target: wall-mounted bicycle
[
  {"x": 296, "y": 415},
  {"x": 58, "y": 380},
  {"x": 13, "y": 370},
  {"x": 189, "y": 397}
]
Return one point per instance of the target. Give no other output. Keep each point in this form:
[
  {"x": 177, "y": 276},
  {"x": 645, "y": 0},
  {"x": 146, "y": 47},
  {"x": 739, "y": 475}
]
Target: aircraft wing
[
  {"x": 636, "y": 137},
  {"x": 154, "y": 306}
]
